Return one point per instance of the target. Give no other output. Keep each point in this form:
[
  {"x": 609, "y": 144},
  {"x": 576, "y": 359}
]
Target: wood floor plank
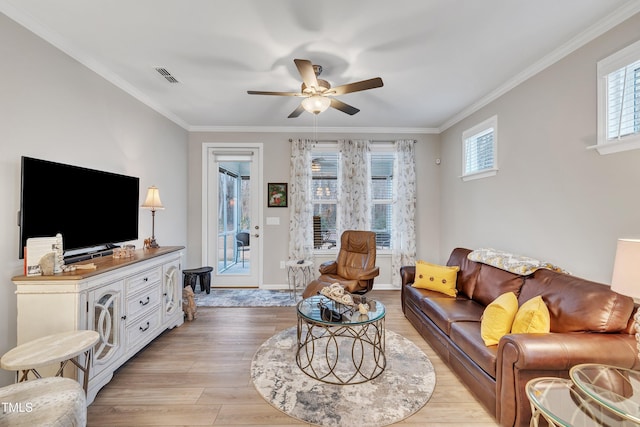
[{"x": 199, "y": 374}]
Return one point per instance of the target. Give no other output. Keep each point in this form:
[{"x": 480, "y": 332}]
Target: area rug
[
  {"x": 401, "y": 390},
  {"x": 245, "y": 298}
]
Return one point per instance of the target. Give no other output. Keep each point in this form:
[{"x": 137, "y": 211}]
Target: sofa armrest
[
  {"x": 522, "y": 357},
  {"x": 328, "y": 267},
  {"x": 407, "y": 274}
]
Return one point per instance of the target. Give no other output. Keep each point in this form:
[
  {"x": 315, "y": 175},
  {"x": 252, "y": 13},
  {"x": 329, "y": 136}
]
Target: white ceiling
[{"x": 439, "y": 59}]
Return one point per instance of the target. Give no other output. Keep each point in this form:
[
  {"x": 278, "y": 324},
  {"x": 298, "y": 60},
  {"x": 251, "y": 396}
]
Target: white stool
[{"x": 52, "y": 401}]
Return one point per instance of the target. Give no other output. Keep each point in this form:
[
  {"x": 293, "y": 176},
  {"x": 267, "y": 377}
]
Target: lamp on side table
[
  {"x": 153, "y": 203},
  {"x": 626, "y": 274}
]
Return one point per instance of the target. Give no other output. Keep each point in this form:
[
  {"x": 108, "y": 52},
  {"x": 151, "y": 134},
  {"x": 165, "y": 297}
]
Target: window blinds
[
  {"x": 623, "y": 102},
  {"x": 479, "y": 152}
]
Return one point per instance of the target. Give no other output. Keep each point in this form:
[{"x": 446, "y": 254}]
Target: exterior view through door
[{"x": 233, "y": 225}]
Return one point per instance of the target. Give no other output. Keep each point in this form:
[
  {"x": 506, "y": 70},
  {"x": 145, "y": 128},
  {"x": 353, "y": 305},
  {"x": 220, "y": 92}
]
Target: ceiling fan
[{"x": 318, "y": 94}]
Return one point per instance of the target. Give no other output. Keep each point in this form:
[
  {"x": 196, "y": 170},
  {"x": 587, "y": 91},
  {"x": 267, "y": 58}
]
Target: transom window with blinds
[
  {"x": 619, "y": 101},
  {"x": 325, "y": 197},
  {"x": 480, "y": 150}
]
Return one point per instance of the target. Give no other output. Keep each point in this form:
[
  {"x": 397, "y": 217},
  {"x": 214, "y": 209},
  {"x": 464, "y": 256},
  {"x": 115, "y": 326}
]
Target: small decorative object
[
  {"x": 38, "y": 247},
  {"x": 189, "y": 303},
  {"x": 125, "y": 251},
  {"x": 153, "y": 203},
  {"x": 277, "y": 194},
  {"x": 337, "y": 293},
  {"x": 59, "y": 250},
  {"x": 363, "y": 308},
  {"x": 47, "y": 263}
]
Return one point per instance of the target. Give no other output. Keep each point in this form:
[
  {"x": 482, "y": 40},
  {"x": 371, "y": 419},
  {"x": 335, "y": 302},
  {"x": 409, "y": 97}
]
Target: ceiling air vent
[{"x": 166, "y": 74}]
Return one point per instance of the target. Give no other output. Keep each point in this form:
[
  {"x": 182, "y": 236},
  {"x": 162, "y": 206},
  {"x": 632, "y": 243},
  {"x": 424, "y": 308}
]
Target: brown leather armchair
[{"x": 355, "y": 268}]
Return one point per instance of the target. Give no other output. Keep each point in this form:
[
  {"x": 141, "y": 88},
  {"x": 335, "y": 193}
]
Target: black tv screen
[{"x": 90, "y": 208}]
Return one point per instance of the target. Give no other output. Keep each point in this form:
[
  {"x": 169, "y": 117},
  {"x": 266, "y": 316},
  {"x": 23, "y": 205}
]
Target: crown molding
[
  {"x": 311, "y": 129},
  {"x": 613, "y": 19}
]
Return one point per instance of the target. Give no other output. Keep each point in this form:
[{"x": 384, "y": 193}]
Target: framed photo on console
[{"x": 277, "y": 195}]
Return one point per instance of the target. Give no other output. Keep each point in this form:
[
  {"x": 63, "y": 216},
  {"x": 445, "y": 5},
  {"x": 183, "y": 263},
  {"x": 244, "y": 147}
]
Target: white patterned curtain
[
  {"x": 403, "y": 243},
  {"x": 353, "y": 210},
  {"x": 300, "y": 209}
]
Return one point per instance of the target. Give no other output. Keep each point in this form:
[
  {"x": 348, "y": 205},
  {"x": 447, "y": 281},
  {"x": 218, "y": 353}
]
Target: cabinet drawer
[
  {"x": 141, "y": 331},
  {"x": 143, "y": 301},
  {"x": 143, "y": 279}
]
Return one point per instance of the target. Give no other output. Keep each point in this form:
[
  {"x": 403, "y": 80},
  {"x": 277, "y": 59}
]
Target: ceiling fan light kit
[
  {"x": 318, "y": 94},
  {"x": 316, "y": 104}
]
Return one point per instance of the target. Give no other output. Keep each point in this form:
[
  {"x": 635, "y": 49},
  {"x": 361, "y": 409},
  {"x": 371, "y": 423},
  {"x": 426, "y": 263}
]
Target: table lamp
[
  {"x": 153, "y": 203},
  {"x": 626, "y": 275}
]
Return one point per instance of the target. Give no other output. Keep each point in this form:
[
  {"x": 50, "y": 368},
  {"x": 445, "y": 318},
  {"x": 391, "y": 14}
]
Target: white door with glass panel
[{"x": 232, "y": 226}]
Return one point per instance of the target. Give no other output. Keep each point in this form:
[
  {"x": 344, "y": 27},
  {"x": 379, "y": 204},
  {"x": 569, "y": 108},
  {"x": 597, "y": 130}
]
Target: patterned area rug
[
  {"x": 245, "y": 298},
  {"x": 401, "y": 390}
]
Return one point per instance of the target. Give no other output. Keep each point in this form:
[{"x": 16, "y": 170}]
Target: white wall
[
  {"x": 276, "y": 169},
  {"x": 552, "y": 199},
  {"x": 52, "y": 107}
]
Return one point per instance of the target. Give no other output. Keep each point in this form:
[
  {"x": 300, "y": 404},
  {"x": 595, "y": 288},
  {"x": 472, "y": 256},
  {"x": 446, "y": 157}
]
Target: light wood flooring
[{"x": 199, "y": 375}]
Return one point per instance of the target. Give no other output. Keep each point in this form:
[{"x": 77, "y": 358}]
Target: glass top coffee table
[
  {"x": 616, "y": 389},
  {"x": 339, "y": 345}
]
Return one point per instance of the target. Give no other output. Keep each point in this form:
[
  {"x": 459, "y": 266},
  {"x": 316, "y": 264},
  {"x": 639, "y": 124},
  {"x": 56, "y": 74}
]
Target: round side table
[
  {"x": 58, "y": 348},
  {"x": 298, "y": 275}
]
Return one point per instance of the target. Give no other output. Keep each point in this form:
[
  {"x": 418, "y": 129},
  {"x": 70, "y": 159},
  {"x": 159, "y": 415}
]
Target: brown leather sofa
[{"x": 589, "y": 323}]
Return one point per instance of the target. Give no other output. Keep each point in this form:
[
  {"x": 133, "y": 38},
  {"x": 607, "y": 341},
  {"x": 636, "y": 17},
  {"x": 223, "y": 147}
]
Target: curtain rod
[{"x": 370, "y": 140}]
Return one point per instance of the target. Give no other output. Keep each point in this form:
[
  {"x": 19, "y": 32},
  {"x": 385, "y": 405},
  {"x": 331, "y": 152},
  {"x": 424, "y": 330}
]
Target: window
[
  {"x": 324, "y": 196},
  {"x": 325, "y": 182},
  {"x": 619, "y": 101},
  {"x": 479, "y": 150},
  {"x": 382, "y": 197}
]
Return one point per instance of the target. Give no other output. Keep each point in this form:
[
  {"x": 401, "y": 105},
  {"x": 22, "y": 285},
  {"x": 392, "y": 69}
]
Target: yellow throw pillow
[
  {"x": 439, "y": 278},
  {"x": 498, "y": 318},
  {"x": 532, "y": 317}
]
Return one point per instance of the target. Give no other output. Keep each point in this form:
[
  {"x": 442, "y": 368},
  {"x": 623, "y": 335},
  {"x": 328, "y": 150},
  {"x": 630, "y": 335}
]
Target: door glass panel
[{"x": 234, "y": 214}]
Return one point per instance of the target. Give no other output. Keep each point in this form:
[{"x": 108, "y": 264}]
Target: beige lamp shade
[
  {"x": 626, "y": 268},
  {"x": 153, "y": 201}
]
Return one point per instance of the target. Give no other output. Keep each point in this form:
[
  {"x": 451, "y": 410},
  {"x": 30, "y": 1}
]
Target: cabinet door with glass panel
[{"x": 106, "y": 316}]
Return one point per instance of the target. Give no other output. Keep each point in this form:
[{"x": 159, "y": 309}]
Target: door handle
[{"x": 256, "y": 235}]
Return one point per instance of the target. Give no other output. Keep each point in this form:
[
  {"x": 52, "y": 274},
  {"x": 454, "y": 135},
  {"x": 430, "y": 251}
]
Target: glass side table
[
  {"x": 561, "y": 403},
  {"x": 616, "y": 389}
]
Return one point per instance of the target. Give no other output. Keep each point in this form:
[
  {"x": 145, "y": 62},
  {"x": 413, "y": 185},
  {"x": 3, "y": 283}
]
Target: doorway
[{"x": 232, "y": 212}]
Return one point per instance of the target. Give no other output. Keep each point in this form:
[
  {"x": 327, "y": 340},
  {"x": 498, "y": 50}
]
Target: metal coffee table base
[{"x": 341, "y": 354}]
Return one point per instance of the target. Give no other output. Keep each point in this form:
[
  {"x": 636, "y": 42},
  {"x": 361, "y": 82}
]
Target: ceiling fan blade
[
  {"x": 305, "y": 68},
  {"x": 345, "y": 108},
  {"x": 259, "y": 92},
  {"x": 296, "y": 112},
  {"x": 357, "y": 86}
]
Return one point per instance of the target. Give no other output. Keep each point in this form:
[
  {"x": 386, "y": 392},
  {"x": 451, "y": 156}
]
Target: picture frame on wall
[{"x": 277, "y": 195}]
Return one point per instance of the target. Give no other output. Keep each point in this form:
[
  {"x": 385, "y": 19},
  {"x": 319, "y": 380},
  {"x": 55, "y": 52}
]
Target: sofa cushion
[
  {"x": 466, "y": 335},
  {"x": 493, "y": 282},
  {"x": 497, "y": 318},
  {"x": 436, "y": 277},
  {"x": 444, "y": 311},
  {"x": 468, "y": 273},
  {"x": 532, "y": 317},
  {"x": 578, "y": 305}
]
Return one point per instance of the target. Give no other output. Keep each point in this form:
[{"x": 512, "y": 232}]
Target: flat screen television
[{"x": 90, "y": 208}]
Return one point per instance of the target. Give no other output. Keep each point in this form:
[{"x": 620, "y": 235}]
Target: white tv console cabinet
[{"x": 129, "y": 302}]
